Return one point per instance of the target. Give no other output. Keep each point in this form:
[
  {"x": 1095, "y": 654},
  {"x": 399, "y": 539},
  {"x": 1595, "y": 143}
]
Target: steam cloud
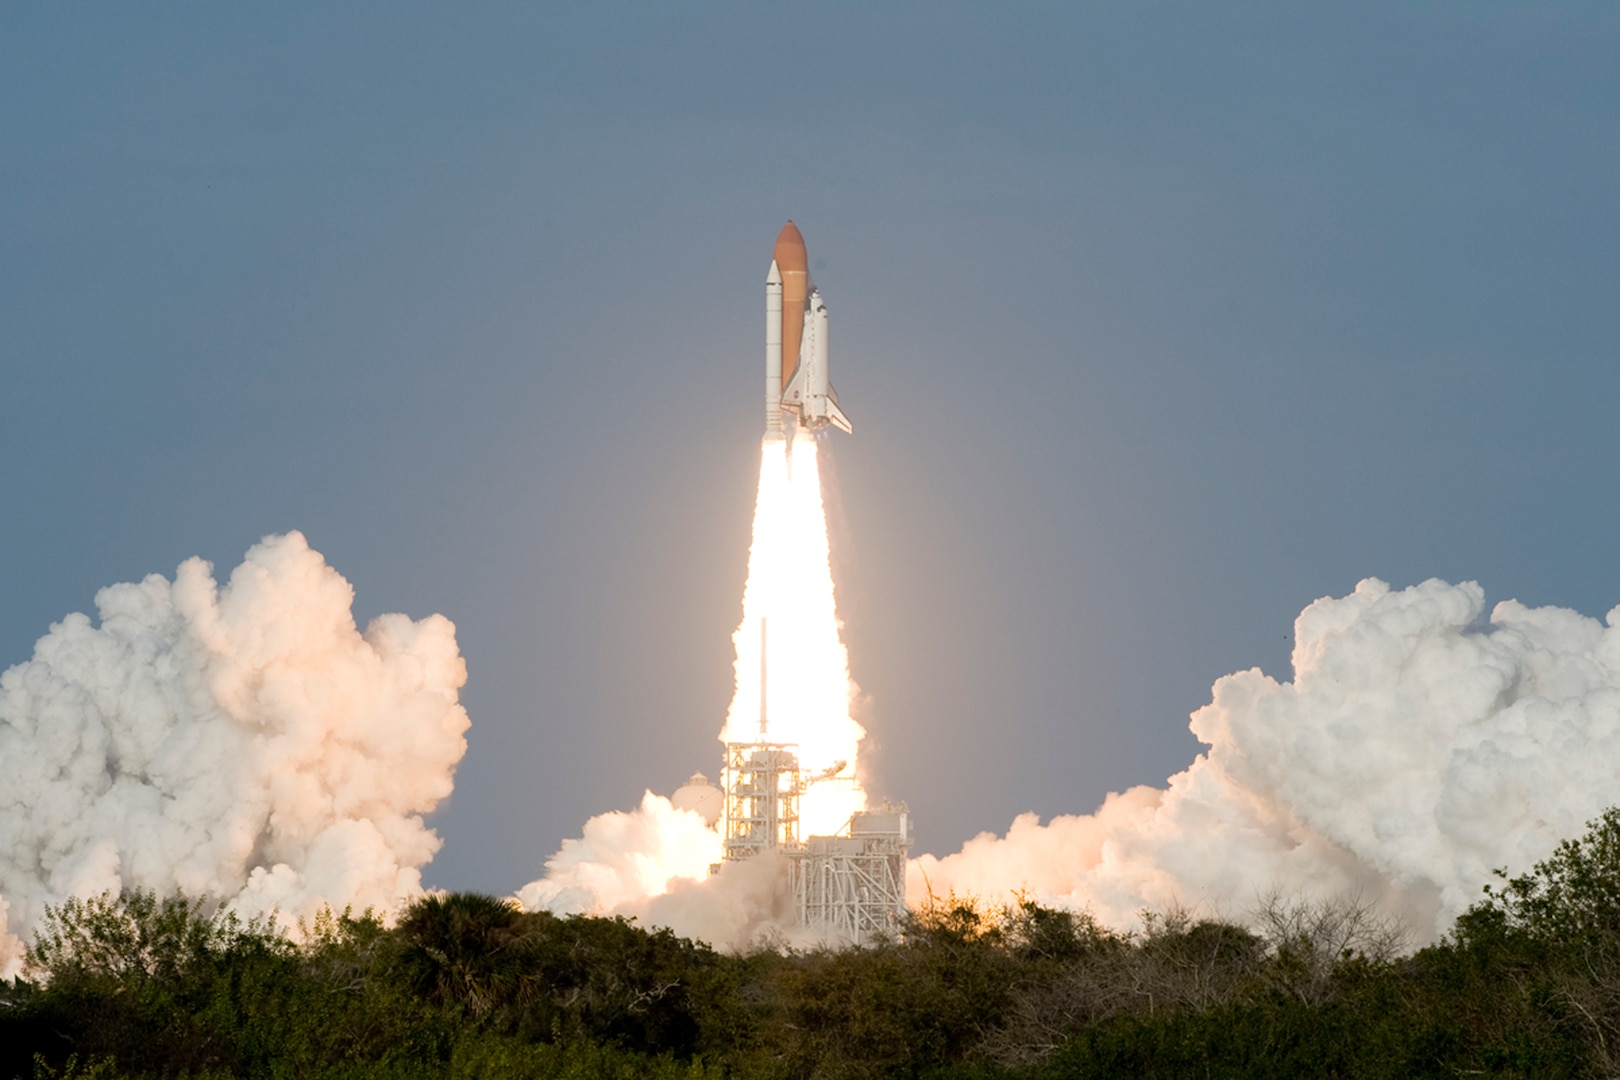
[
  {"x": 1418, "y": 747},
  {"x": 652, "y": 863},
  {"x": 245, "y": 743},
  {"x": 624, "y": 858}
]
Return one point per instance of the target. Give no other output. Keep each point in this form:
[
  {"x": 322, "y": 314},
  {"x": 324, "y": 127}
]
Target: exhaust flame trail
[
  {"x": 654, "y": 861},
  {"x": 800, "y": 689}
]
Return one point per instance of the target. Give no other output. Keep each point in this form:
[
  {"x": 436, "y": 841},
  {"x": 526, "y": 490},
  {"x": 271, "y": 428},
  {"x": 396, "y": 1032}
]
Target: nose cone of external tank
[{"x": 789, "y": 251}]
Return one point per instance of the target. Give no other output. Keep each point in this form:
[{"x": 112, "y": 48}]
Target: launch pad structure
[
  {"x": 848, "y": 888},
  {"x": 762, "y": 784},
  {"x": 852, "y": 886}
]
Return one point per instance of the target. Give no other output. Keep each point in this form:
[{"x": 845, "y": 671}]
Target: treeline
[{"x": 1527, "y": 984}]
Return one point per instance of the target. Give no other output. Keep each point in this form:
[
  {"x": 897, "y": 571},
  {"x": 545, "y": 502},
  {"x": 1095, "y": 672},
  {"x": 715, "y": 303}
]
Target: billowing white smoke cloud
[
  {"x": 652, "y": 863},
  {"x": 1417, "y": 748},
  {"x": 625, "y": 857},
  {"x": 245, "y": 743}
]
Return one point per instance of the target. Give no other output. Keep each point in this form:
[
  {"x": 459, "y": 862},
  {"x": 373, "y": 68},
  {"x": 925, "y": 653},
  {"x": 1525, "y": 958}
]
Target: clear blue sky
[{"x": 1156, "y": 322}]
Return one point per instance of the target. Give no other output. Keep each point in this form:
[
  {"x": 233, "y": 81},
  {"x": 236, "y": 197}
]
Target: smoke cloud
[
  {"x": 624, "y": 858},
  {"x": 243, "y": 742},
  {"x": 1419, "y": 746}
]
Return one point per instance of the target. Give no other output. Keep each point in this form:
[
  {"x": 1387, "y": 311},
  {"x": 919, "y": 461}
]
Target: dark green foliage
[
  {"x": 545, "y": 978},
  {"x": 166, "y": 986},
  {"x": 146, "y": 980},
  {"x": 1555, "y": 933},
  {"x": 1528, "y": 985},
  {"x": 1574, "y": 896},
  {"x": 466, "y": 952}
]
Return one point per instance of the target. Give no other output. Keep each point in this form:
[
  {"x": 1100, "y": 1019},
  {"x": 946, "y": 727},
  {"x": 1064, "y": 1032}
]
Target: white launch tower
[
  {"x": 851, "y": 887},
  {"x": 762, "y": 784},
  {"x": 848, "y": 888}
]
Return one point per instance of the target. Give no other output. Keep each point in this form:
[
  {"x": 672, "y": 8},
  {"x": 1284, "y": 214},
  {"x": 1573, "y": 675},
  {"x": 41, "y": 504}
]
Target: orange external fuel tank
[{"x": 795, "y": 271}]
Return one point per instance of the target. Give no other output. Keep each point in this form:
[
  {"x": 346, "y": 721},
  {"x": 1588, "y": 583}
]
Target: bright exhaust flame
[
  {"x": 654, "y": 862},
  {"x": 807, "y": 689}
]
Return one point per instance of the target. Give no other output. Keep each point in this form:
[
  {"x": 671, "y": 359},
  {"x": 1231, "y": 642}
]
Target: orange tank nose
[
  {"x": 794, "y": 268},
  {"x": 789, "y": 250}
]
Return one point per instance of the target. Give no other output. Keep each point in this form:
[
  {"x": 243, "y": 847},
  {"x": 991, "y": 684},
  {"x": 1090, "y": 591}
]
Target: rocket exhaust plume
[
  {"x": 792, "y": 667},
  {"x": 1418, "y": 746},
  {"x": 792, "y": 678},
  {"x": 243, "y": 742}
]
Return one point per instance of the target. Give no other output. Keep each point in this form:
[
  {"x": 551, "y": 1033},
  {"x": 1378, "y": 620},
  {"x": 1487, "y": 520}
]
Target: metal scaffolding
[
  {"x": 762, "y": 784},
  {"x": 851, "y": 888}
]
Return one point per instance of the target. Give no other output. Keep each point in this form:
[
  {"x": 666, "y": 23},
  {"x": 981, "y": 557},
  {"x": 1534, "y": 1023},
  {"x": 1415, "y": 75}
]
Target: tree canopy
[{"x": 469, "y": 985}]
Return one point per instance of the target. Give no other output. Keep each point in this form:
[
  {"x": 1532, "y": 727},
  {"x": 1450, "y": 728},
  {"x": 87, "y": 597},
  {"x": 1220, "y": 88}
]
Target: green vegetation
[{"x": 1527, "y": 985}]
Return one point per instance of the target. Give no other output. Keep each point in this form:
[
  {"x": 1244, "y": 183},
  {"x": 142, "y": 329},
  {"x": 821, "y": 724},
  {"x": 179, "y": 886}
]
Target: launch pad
[{"x": 848, "y": 888}]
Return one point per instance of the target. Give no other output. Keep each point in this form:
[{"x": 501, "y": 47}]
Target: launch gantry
[
  {"x": 848, "y": 888},
  {"x": 762, "y": 785},
  {"x": 851, "y": 887}
]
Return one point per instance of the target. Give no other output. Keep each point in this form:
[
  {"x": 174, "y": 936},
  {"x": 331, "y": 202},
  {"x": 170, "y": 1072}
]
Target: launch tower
[
  {"x": 848, "y": 888},
  {"x": 852, "y": 886},
  {"x": 762, "y": 785}
]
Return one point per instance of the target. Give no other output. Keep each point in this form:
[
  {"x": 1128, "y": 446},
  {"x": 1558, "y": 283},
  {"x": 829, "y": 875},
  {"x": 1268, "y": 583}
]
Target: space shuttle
[{"x": 796, "y": 378}]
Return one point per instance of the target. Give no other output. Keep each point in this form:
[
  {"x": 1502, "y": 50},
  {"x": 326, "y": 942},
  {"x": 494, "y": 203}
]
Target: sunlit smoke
[
  {"x": 244, "y": 743},
  {"x": 625, "y": 857},
  {"x": 1419, "y": 746},
  {"x": 806, "y": 670}
]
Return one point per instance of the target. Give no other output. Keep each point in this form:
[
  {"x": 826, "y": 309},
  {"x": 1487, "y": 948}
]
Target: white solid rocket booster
[{"x": 773, "y": 351}]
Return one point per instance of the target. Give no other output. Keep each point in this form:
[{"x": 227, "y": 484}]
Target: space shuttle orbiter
[{"x": 796, "y": 378}]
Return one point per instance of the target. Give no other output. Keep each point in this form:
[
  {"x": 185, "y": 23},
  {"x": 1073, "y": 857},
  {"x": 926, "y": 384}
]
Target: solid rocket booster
[
  {"x": 773, "y": 351},
  {"x": 796, "y": 372}
]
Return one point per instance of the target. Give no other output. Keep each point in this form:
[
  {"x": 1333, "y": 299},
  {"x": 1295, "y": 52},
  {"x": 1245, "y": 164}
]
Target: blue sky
[{"x": 1156, "y": 322}]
